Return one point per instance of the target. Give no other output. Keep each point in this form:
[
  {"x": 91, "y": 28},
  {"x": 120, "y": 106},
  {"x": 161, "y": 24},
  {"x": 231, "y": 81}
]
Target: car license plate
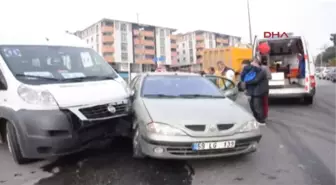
[{"x": 213, "y": 145}]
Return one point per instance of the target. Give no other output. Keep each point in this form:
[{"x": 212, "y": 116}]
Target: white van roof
[{"x": 13, "y": 37}]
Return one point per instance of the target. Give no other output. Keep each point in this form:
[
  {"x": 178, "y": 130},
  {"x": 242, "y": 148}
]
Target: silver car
[{"x": 184, "y": 116}]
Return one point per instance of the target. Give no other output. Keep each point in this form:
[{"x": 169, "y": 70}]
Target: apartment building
[
  {"x": 121, "y": 42},
  {"x": 190, "y": 45}
]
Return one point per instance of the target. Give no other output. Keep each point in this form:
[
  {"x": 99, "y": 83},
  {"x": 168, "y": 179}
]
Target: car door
[{"x": 230, "y": 89}]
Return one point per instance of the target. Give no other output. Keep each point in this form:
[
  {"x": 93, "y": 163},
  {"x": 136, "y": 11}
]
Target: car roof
[
  {"x": 170, "y": 74},
  {"x": 17, "y": 37}
]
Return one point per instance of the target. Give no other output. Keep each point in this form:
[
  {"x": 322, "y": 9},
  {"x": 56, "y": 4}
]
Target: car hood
[
  {"x": 196, "y": 111},
  {"x": 87, "y": 93}
]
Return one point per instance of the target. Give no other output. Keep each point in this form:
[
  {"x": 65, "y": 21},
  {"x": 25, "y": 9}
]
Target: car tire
[
  {"x": 137, "y": 151},
  {"x": 308, "y": 100},
  {"x": 13, "y": 144}
]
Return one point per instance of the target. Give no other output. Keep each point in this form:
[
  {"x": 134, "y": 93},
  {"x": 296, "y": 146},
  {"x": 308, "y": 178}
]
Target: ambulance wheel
[{"x": 308, "y": 100}]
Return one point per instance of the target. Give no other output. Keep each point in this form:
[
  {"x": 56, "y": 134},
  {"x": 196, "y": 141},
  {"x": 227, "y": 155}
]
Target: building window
[
  {"x": 162, "y": 33},
  {"x": 191, "y": 52},
  {"x": 123, "y": 27},
  {"x": 123, "y": 46},
  {"x": 124, "y": 37},
  {"x": 107, "y": 33},
  {"x": 162, "y": 50},
  {"x": 211, "y": 44},
  {"x": 124, "y": 56},
  {"x": 190, "y": 44}
]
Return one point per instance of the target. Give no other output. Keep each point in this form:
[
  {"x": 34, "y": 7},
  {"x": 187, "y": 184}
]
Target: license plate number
[{"x": 213, "y": 145}]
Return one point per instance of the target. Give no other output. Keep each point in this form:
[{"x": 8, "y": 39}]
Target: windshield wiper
[
  {"x": 160, "y": 96},
  {"x": 89, "y": 78},
  {"x": 38, "y": 77},
  {"x": 200, "y": 96}
]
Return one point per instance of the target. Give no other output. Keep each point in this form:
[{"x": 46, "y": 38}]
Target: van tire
[
  {"x": 308, "y": 100},
  {"x": 137, "y": 151},
  {"x": 13, "y": 144}
]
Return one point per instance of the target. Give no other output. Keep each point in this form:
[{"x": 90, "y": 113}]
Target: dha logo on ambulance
[{"x": 268, "y": 34}]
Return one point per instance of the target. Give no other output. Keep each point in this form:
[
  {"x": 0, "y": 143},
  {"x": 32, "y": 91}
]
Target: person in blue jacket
[
  {"x": 302, "y": 66},
  {"x": 255, "y": 81}
]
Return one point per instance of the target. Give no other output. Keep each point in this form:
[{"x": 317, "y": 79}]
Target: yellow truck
[{"x": 231, "y": 56}]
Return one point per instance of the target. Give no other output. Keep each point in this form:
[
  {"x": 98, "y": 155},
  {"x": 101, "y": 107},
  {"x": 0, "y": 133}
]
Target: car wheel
[
  {"x": 137, "y": 151},
  {"x": 13, "y": 144},
  {"x": 308, "y": 100}
]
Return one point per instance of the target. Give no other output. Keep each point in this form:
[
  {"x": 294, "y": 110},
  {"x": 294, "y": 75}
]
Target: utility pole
[
  {"x": 249, "y": 21},
  {"x": 141, "y": 42},
  {"x": 333, "y": 39}
]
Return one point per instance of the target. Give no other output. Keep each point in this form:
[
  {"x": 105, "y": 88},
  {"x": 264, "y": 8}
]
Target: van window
[{"x": 55, "y": 64}]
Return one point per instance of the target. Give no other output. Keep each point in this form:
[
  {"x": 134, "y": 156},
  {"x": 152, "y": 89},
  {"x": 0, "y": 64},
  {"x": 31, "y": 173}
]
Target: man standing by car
[
  {"x": 226, "y": 72},
  {"x": 256, "y": 84}
]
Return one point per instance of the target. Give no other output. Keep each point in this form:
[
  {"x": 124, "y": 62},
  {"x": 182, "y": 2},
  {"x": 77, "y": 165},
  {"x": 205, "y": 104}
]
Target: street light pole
[{"x": 249, "y": 21}]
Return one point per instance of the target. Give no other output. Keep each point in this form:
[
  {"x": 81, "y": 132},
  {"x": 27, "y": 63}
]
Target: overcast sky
[{"x": 313, "y": 18}]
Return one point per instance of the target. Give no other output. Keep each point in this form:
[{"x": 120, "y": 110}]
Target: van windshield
[{"x": 55, "y": 64}]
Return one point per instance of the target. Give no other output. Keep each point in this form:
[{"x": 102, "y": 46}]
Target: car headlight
[
  {"x": 164, "y": 129},
  {"x": 125, "y": 85},
  {"x": 250, "y": 126},
  {"x": 34, "y": 96}
]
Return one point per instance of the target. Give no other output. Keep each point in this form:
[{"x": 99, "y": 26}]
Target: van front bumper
[{"x": 48, "y": 133}]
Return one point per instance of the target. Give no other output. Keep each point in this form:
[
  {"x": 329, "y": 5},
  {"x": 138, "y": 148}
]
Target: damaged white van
[
  {"x": 57, "y": 95},
  {"x": 288, "y": 79}
]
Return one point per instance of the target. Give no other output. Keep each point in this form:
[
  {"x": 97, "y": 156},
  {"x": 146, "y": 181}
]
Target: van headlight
[
  {"x": 164, "y": 129},
  {"x": 34, "y": 96},
  {"x": 249, "y": 126},
  {"x": 125, "y": 85}
]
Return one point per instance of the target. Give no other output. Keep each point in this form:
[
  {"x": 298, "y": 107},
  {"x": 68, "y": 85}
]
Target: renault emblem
[
  {"x": 111, "y": 109},
  {"x": 212, "y": 128}
]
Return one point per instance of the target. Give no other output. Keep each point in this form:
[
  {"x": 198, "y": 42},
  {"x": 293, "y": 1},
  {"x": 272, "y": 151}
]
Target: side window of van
[{"x": 3, "y": 83}]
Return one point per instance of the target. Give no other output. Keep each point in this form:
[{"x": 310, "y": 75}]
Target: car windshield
[
  {"x": 179, "y": 86},
  {"x": 55, "y": 64}
]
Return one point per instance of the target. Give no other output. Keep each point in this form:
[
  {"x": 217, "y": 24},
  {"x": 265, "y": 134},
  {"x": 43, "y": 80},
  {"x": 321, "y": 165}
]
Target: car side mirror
[{"x": 132, "y": 95}]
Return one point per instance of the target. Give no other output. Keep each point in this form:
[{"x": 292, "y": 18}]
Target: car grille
[
  {"x": 185, "y": 149},
  {"x": 100, "y": 111},
  {"x": 196, "y": 127},
  {"x": 224, "y": 126}
]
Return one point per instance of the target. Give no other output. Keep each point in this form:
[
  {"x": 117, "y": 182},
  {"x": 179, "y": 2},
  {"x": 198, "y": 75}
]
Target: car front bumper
[
  {"x": 44, "y": 134},
  {"x": 245, "y": 143}
]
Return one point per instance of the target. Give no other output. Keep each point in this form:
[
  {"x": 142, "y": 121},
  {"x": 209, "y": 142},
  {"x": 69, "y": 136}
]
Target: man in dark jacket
[{"x": 256, "y": 87}]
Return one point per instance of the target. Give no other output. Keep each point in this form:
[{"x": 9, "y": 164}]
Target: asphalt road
[{"x": 297, "y": 148}]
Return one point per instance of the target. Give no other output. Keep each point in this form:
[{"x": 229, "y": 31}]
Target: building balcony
[
  {"x": 143, "y": 33},
  {"x": 199, "y": 37},
  {"x": 107, "y": 38},
  {"x": 199, "y": 52},
  {"x": 149, "y": 51},
  {"x": 148, "y": 43},
  {"x": 107, "y": 29},
  {"x": 144, "y": 61},
  {"x": 200, "y": 45},
  {"x": 109, "y": 59},
  {"x": 222, "y": 40},
  {"x": 147, "y": 33},
  {"x": 173, "y": 37},
  {"x": 173, "y": 45},
  {"x": 107, "y": 49}
]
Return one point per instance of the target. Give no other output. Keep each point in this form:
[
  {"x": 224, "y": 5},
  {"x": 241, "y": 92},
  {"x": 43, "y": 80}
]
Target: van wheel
[
  {"x": 308, "y": 100},
  {"x": 137, "y": 151},
  {"x": 13, "y": 145}
]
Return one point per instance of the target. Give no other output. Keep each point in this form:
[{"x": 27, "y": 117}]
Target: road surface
[{"x": 297, "y": 148}]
